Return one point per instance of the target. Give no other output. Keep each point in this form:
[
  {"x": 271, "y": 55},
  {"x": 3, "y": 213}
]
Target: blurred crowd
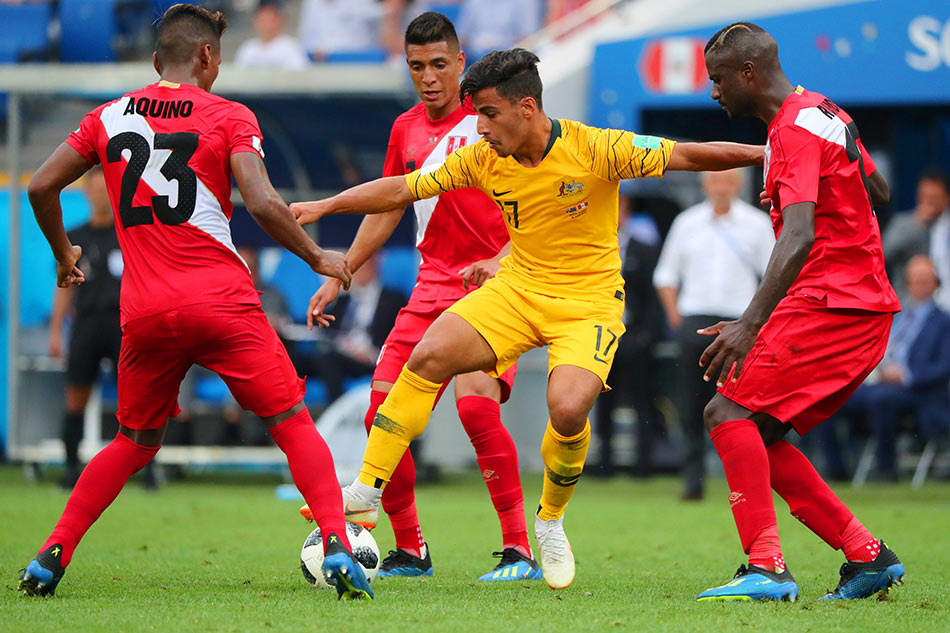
[{"x": 372, "y": 30}]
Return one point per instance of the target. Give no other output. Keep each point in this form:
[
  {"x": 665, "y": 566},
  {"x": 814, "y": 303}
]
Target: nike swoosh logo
[
  {"x": 500, "y": 193},
  {"x": 347, "y": 511}
]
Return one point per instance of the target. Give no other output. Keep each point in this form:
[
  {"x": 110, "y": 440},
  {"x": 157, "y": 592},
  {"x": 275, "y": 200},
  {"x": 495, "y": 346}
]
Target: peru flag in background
[{"x": 674, "y": 65}]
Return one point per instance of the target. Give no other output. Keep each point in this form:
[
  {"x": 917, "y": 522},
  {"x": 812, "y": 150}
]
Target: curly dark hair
[{"x": 513, "y": 73}]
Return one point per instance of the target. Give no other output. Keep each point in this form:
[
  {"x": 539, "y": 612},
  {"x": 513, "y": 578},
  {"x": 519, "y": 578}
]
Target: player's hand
[
  {"x": 55, "y": 344},
  {"x": 732, "y": 345},
  {"x": 309, "y": 212},
  {"x": 67, "y": 274},
  {"x": 333, "y": 264},
  {"x": 323, "y": 297},
  {"x": 478, "y": 273},
  {"x": 764, "y": 199}
]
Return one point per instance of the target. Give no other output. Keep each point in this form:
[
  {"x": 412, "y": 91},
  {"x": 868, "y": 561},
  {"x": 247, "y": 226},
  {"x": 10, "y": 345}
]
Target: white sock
[{"x": 369, "y": 494}]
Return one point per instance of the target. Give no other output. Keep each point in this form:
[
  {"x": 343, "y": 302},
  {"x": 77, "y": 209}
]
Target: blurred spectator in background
[
  {"x": 912, "y": 378},
  {"x": 272, "y": 47},
  {"x": 363, "y": 318},
  {"x": 95, "y": 334},
  {"x": 633, "y": 371},
  {"x": 487, "y": 25},
  {"x": 908, "y": 234},
  {"x": 940, "y": 243},
  {"x": 710, "y": 266},
  {"x": 340, "y": 26}
]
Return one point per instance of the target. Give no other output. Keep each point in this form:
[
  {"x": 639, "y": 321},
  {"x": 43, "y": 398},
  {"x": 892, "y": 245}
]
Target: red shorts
[
  {"x": 233, "y": 340},
  {"x": 808, "y": 360},
  {"x": 411, "y": 323}
]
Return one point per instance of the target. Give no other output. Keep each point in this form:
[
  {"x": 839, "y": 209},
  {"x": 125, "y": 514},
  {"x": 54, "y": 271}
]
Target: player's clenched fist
[
  {"x": 67, "y": 274},
  {"x": 333, "y": 264},
  {"x": 309, "y": 212}
]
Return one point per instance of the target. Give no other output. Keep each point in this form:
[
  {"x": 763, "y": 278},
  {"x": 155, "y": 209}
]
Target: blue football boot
[
  {"x": 862, "y": 580},
  {"x": 342, "y": 571},
  {"x": 755, "y": 583},
  {"x": 513, "y": 566},
  {"x": 401, "y": 563},
  {"x": 43, "y": 573}
]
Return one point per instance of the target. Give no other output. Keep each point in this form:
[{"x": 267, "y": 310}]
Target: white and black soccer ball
[{"x": 364, "y": 547}]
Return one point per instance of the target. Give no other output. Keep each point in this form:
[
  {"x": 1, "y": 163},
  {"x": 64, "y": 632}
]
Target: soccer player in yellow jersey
[{"x": 556, "y": 182}]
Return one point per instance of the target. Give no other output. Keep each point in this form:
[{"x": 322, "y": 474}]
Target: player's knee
[
  {"x": 427, "y": 361},
  {"x": 713, "y": 415},
  {"x": 568, "y": 414}
]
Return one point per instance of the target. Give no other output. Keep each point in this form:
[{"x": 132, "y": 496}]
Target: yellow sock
[
  {"x": 563, "y": 463},
  {"x": 400, "y": 419}
]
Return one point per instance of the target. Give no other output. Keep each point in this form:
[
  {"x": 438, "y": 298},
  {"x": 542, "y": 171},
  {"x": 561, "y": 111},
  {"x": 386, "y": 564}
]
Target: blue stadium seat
[
  {"x": 296, "y": 282},
  {"x": 88, "y": 29},
  {"x": 24, "y": 28},
  {"x": 398, "y": 269}
]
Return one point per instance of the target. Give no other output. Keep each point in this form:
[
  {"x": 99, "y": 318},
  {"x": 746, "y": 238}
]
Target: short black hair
[
  {"x": 513, "y": 73},
  {"x": 429, "y": 28},
  {"x": 937, "y": 175},
  {"x": 732, "y": 34},
  {"x": 184, "y": 28}
]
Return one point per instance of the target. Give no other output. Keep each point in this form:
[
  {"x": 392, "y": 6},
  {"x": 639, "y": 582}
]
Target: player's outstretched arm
[
  {"x": 714, "y": 156},
  {"x": 789, "y": 255},
  {"x": 373, "y": 232},
  {"x": 376, "y": 196},
  {"x": 269, "y": 210},
  {"x": 62, "y": 168}
]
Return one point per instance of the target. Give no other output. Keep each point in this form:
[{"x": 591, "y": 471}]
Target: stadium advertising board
[{"x": 875, "y": 52}]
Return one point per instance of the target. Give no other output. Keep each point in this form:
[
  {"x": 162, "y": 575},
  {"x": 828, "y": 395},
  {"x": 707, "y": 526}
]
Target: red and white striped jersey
[
  {"x": 455, "y": 228},
  {"x": 165, "y": 151},
  {"x": 815, "y": 154}
]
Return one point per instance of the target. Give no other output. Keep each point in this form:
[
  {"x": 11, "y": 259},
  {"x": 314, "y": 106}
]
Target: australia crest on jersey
[{"x": 569, "y": 190}]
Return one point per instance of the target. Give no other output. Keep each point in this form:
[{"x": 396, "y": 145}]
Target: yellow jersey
[{"x": 562, "y": 214}]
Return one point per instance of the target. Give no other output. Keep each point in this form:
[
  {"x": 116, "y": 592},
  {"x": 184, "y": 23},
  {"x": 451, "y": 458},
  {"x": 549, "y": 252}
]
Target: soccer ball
[{"x": 364, "y": 547}]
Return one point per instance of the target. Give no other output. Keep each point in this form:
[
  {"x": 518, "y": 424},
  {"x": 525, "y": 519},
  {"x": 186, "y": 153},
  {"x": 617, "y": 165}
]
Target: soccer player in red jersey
[
  {"x": 461, "y": 236},
  {"x": 814, "y": 330},
  {"x": 168, "y": 152}
]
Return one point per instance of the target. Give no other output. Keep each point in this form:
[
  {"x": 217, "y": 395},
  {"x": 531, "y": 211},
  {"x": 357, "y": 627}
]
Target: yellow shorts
[{"x": 582, "y": 333}]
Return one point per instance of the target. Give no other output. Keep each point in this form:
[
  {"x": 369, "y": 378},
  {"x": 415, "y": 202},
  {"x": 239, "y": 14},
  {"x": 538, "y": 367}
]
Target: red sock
[
  {"x": 98, "y": 486},
  {"x": 858, "y": 544},
  {"x": 498, "y": 460},
  {"x": 812, "y": 502},
  {"x": 747, "y": 465},
  {"x": 311, "y": 467},
  {"x": 399, "y": 497}
]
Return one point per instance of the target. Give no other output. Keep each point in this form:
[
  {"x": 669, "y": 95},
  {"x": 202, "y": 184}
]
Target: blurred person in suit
[
  {"x": 912, "y": 378},
  {"x": 710, "y": 266}
]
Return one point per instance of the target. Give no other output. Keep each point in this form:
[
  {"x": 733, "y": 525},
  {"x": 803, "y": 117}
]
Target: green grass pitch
[{"x": 222, "y": 555}]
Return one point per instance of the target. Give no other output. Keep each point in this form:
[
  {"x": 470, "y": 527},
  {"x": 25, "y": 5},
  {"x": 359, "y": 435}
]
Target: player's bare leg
[
  {"x": 571, "y": 394},
  {"x": 97, "y": 487},
  {"x": 478, "y": 397},
  {"x": 450, "y": 346}
]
